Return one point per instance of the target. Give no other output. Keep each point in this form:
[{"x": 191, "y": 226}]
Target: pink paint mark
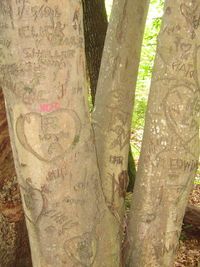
[{"x": 49, "y": 107}]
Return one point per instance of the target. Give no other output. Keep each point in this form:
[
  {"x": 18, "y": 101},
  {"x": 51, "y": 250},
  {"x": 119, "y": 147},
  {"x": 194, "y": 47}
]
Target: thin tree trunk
[
  {"x": 14, "y": 244},
  {"x": 114, "y": 100},
  {"x": 43, "y": 79},
  {"x": 170, "y": 149},
  {"x": 95, "y": 27}
]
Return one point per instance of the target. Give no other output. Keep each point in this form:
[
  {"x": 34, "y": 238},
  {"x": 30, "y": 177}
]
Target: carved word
[
  {"x": 45, "y": 12},
  {"x": 80, "y": 186},
  {"x": 18, "y": 69},
  {"x": 172, "y": 29},
  {"x": 177, "y": 164},
  {"x": 54, "y": 34},
  {"x": 3, "y": 26},
  {"x": 116, "y": 160},
  {"x": 185, "y": 68},
  {"x": 29, "y": 97},
  {"x": 77, "y": 90},
  {"x": 73, "y": 42},
  {"x": 33, "y": 32},
  {"x": 49, "y": 107},
  {"x": 5, "y": 8},
  {"x": 57, "y": 173},
  {"x": 32, "y": 53},
  {"x": 5, "y": 43},
  {"x": 49, "y": 57},
  {"x": 71, "y": 201},
  {"x": 57, "y": 216}
]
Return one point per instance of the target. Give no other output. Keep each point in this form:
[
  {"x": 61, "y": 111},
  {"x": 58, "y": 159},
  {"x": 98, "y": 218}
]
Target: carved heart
[
  {"x": 180, "y": 113},
  {"x": 82, "y": 249},
  {"x": 186, "y": 47},
  {"x": 33, "y": 201},
  {"x": 50, "y": 136}
]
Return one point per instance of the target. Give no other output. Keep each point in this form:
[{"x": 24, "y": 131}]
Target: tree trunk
[
  {"x": 170, "y": 149},
  {"x": 14, "y": 244},
  {"x": 43, "y": 79},
  {"x": 95, "y": 27},
  {"x": 114, "y": 100}
]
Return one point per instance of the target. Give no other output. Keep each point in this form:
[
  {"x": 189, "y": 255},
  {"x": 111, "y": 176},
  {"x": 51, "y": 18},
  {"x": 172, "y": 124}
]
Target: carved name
[
  {"x": 117, "y": 160},
  {"x": 186, "y": 69}
]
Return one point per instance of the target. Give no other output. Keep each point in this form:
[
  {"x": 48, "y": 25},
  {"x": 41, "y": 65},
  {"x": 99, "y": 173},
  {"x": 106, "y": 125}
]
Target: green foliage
[
  {"x": 91, "y": 108},
  {"x": 147, "y": 59},
  {"x": 188, "y": 226},
  {"x": 108, "y": 6},
  {"x": 146, "y": 63},
  {"x": 182, "y": 236}
]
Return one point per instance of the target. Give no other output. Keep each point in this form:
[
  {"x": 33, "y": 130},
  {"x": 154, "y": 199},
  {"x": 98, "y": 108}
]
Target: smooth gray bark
[
  {"x": 170, "y": 148},
  {"x": 114, "y": 101},
  {"x": 43, "y": 80}
]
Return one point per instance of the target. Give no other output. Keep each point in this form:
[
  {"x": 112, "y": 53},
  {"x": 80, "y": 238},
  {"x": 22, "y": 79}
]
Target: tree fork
[
  {"x": 95, "y": 27},
  {"x": 114, "y": 99}
]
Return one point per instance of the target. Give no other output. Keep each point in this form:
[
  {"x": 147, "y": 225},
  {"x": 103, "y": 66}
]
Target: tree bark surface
[
  {"x": 170, "y": 148},
  {"x": 95, "y": 27},
  {"x": 114, "y": 100},
  {"x": 43, "y": 79}
]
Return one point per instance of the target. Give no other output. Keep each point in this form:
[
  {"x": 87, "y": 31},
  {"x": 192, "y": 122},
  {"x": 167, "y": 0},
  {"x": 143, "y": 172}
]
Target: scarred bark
[
  {"x": 95, "y": 27},
  {"x": 14, "y": 244},
  {"x": 170, "y": 148},
  {"x": 43, "y": 79},
  {"x": 114, "y": 100}
]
